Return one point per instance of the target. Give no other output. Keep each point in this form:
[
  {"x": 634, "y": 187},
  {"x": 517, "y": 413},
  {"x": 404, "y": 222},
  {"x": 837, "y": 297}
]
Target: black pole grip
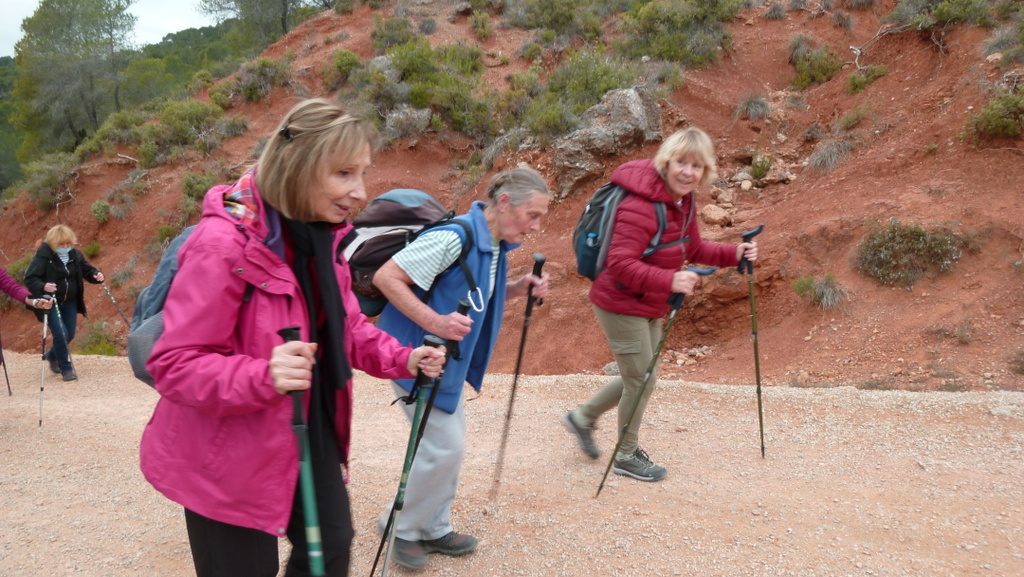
[
  {"x": 538, "y": 264},
  {"x": 289, "y": 334},
  {"x": 745, "y": 265},
  {"x": 676, "y": 300}
]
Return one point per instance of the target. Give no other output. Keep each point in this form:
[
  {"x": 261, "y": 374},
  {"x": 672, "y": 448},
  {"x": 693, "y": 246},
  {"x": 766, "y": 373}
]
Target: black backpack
[
  {"x": 385, "y": 226},
  {"x": 592, "y": 235}
]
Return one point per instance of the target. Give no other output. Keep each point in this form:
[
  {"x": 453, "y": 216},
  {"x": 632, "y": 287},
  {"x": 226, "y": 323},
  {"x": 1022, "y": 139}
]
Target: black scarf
[{"x": 313, "y": 239}]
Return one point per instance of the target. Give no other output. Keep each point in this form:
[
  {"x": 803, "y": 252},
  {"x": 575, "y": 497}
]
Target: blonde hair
[
  {"x": 688, "y": 141},
  {"x": 520, "y": 183},
  {"x": 312, "y": 130},
  {"x": 60, "y": 234}
]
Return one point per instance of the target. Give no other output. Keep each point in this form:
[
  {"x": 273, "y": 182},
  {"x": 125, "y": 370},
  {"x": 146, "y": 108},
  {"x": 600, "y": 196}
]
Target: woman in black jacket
[{"x": 58, "y": 269}]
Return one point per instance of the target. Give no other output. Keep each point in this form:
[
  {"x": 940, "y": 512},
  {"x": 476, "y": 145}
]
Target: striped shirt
[{"x": 432, "y": 253}]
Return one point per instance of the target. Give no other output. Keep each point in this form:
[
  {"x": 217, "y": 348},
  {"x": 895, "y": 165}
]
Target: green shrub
[
  {"x": 1002, "y": 116},
  {"x": 480, "y": 23},
  {"x": 390, "y": 32},
  {"x": 760, "y": 166},
  {"x": 898, "y": 254},
  {"x": 754, "y": 107},
  {"x": 555, "y": 15},
  {"x": 860, "y": 79},
  {"x": 91, "y": 250},
  {"x": 220, "y": 94},
  {"x": 118, "y": 128},
  {"x": 123, "y": 274},
  {"x": 826, "y": 293},
  {"x": 51, "y": 179},
  {"x": 818, "y": 66},
  {"x": 851, "y": 120},
  {"x": 974, "y": 12},
  {"x": 343, "y": 62},
  {"x": 101, "y": 211},
  {"x": 775, "y": 12},
  {"x": 195, "y": 184},
  {"x": 427, "y": 26},
  {"x": 828, "y": 154},
  {"x": 842, "y": 20},
  {"x": 688, "y": 31},
  {"x": 344, "y": 6},
  {"x": 96, "y": 339},
  {"x": 200, "y": 80},
  {"x": 257, "y": 78},
  {"x": 532, "y": 51},
  {"x": 181, "y": 123}
]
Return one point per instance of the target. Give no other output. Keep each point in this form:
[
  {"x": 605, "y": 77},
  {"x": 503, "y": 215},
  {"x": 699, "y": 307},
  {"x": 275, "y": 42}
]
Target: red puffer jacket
[{"x": 641, "y": 286}]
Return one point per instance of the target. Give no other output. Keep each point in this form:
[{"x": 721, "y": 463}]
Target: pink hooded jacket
[
  {"x": 220, "y": 441},
  {"x": 631, "y": 285}
]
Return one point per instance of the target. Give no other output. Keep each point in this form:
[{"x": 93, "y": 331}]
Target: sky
[{"x": 156, "y": 18}]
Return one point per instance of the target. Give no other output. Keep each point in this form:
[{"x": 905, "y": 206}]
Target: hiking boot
[
  {"x": 584, "y": 435},
  {"x": 453, "y": 544},
  {"x": 70, "y": 376},
  {"x": 54, "y": 365},
  {"x": 639, "y": 466},
  {"x": 409, "y": 555}
]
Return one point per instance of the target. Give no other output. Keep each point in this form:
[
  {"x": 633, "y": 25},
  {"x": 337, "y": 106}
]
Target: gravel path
[{"x": 855, "y": 482}]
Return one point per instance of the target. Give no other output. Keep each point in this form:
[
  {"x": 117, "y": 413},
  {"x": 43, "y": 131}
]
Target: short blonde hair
[
  {"x": 60, "y": 234},
  {"x": 311, "y": 131},
  {"x": 686, "y": 142},
  {"x": 520, "y": 183}
]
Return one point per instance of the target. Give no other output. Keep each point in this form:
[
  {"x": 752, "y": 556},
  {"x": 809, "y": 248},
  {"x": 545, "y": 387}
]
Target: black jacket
[{"x": 46, "y": 267}]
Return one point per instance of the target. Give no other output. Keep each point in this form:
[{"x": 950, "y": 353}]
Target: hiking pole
[
  {"x": 749, "y": 266},
  {"x": 423, "y": 387},
  {"x": 538, "y": 264},
  {"x": 309, "y": 512},
  {"x": 42, "y": 375},
  {"x": 113, "y": 300},
  {"x": 10, "y": 393},
  {"x": 676, "y": 300}
]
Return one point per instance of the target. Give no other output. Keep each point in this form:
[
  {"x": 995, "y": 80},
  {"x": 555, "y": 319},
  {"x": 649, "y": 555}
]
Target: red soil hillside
[{"x": 954, "y": 331}]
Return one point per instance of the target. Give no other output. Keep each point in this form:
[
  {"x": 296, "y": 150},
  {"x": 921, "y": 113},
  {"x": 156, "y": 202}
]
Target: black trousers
[{"x": 223, "y": 550}]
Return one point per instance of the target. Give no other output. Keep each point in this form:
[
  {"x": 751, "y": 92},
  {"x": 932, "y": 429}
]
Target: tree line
[{"x": 76, "y": 64}]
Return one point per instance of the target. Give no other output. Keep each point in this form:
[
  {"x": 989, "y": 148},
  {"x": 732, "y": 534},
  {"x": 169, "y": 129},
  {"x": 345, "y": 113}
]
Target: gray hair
[{"x": 520, "y": 183}]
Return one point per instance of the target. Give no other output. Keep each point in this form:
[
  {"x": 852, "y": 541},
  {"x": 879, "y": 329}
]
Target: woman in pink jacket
[
  {"x": 262, "y": 258},
  {"x": 631, "y": 295}
]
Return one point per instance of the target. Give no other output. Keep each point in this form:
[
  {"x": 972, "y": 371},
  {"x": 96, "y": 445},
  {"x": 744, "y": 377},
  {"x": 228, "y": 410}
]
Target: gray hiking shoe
[
  {"x": 409, "y": 555},
  {"x": 584, "y": 435},
  {"x": 453, "y": 544},
  {"x": 639, "y": 466}
]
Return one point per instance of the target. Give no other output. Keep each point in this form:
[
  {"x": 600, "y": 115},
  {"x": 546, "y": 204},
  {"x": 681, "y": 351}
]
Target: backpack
[
  {"x": 592, "y": 235},
  {"x": 148, "y": 317},
  {"x": 385, "y": 226}
]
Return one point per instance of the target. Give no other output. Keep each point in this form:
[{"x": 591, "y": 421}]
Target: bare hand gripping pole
[
  {"x": 676, "y": 300},
  {"x": 538, "y": 264},
  {"x": 748, "y": 267},
  {"x": 309, "y": 510},
  {"x": 424, "y": 387}
]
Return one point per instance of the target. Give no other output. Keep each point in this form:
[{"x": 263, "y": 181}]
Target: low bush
[
  {"x": 390, "y": 32},
  {"x": 97, "y": 339},
  {"x": 92, "y": 250},
  {"x": 51, "y": 179},
  {"x": 859, "y": 80},
  {"x": 826, "y": 293},
  {"x": 816, "y": 67},
  {"x": 754, "y": 107},
  {"x": 687, "y": 31},
  {"x": 257, "y": 78},
  {"x": 480, "y": 23},
  {"x": 898, "y": 254},
  {"x": 1002, "y": 116},
  {"x": 828, "y": 154},
  {"x": 101, "y": 211}
]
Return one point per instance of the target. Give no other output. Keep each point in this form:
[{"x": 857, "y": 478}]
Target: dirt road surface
[{"x": 855, "y": 482}]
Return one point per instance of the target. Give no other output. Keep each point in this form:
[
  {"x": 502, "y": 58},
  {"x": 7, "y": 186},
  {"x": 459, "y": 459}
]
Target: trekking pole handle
[
  {"x": 423, "y": 380},
  {"x": 676, "y": 300},
  {"x": 538, "y": 264},
  {"x": 298, "y": 420},
  {"x": 745, "y": 265}
]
